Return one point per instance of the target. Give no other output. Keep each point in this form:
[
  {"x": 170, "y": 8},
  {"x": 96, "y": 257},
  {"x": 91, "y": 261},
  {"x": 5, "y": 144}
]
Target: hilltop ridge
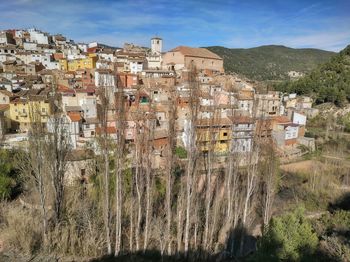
[{"x": 270, "y": 62}]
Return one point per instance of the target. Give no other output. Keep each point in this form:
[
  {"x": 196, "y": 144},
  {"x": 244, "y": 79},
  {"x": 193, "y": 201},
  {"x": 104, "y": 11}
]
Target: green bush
[
  {"x": 181, "y": 152},
  {"x": 10, "y": 180},
  {"x": 288, "y": 237}
]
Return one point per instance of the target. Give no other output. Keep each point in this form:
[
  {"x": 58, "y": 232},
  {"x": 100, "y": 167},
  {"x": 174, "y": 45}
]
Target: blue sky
[{"x": 237, "y": 24}]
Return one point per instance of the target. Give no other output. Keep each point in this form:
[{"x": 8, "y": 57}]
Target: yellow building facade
[
  {"x": 82, "y": 63},
  {"x": 24, "y": 112},
  {"x": 216, "y": 139}
]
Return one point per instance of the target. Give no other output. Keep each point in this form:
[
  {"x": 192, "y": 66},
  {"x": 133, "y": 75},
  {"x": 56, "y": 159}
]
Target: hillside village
[
  {"x": 144, "y": 154},
  {"x": 35, "y": 67}
]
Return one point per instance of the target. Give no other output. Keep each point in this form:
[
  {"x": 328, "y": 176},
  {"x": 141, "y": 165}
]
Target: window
[
  {"x": 23, "y": 110},
  {"x": 43, "y": 109},
  {"x": 87, "y": 126},
  {"x": 155, "y": 92},
  {"x": 16, "y": 117},
  {"x": 225, "y": 133}
]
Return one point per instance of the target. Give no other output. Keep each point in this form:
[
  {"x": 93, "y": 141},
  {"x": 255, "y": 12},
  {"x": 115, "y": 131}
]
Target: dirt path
[{"x": 302, "y": 166}]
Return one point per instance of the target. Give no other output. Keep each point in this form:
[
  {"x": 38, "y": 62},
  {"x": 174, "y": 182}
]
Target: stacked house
[{"x": 47, "y": 77}]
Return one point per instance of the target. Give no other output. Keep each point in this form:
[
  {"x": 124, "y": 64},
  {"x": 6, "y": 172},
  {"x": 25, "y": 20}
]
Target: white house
[
  {"x": 136, "y": 66},
  {"x": 68, "y": 124},
  {"x": 242, "y": 134},
  {"x": 291, "y": 132},
  {"x": 38, "y": 37},
  {"x": 298, "y": 118},
  {"x": 82, "y": 47}
]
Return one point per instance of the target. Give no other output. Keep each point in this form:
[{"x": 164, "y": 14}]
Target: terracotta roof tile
[
  {"x": 242, "y": 119},
  {"x": 75, "y": 117},
  {"x": 281, "y": 119},
  {"x": 197, "y": 52},
  {"x": 109, "y": 129}
]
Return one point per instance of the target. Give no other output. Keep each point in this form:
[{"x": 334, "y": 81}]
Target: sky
[{"x": 321, "y": 24}]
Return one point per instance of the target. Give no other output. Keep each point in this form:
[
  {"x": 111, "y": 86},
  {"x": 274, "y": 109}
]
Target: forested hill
[
  {"x": 272, "y": 62},
  {"x": 329, "y": 82}
]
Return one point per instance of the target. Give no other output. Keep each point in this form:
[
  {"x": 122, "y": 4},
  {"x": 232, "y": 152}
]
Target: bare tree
[
  {"x": 269, "y": 181},
  {"x": 104, "y": 143},
  {"x": 33, "y": 165},
  {"x": 250, "y": 186},
  {"x": 119, "y": 160},
  {"x": 192, "y": 152},
  {"x": 180, "y": 217},
  {"x": 148, "y": 148},
  {"x": 58, "y": 148},
  {"x": 170, "y": 166}
]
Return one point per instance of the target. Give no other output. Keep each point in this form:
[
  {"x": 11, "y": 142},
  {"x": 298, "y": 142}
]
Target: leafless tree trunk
[
  {"x": 119, "y": 169},
  {"x": 208, "y": 195},
  {"x": 104, "y": 144},
  {"x": 193, "y": 85},
  {"x": 216, "y": 209},
  {"x": 147, "y": 154},
  {"x": 251, "y": 180},
  {"x": 131, "y": 223},
  {"x": 169, "y": 169},
  {"x": 138, "y": 186},
  {"x": 57, "y": 150},
  {"x": 33, "y": 164},
  {"x": 270, "y": 180},
  {"x": 180, "y": 219}
]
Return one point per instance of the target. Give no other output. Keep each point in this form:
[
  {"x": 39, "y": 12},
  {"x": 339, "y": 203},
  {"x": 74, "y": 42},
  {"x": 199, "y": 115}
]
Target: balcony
[{"x": 243, "y": 128}]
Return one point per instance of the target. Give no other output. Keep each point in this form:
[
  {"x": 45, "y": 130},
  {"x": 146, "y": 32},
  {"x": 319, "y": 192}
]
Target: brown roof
[
  {"x": 245, "y": 96},
  {"x": 109, "y": 130},
  {"x": 214, "y": 122},
  {"x": 103, "y": 71},
  {"x": 281, "y": 119},
  {"x": 197, "y": 52},
  {"x": 205, "y": 95},
  {"x": 75, "y": 117},
  {"x": 158, "y": 134},
  {"x": 73, "y": 108},
  {"x": 6, "y": 92},
  {"x": 4, "y": 107},
  {"x": 91, "y": 120},
  {"x": 242, "y": 119}
]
